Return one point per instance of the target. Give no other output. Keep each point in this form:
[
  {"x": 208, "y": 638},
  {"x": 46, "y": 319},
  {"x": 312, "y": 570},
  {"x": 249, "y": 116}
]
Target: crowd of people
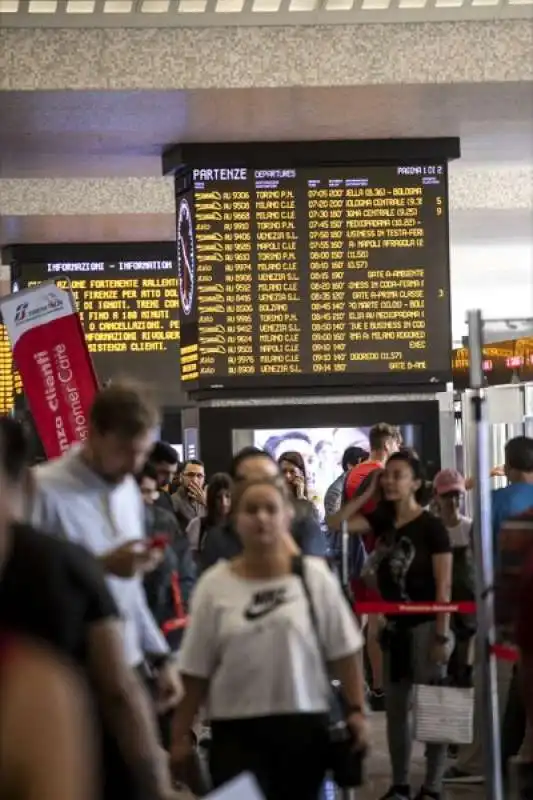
[{"x": 141, "y": 599}]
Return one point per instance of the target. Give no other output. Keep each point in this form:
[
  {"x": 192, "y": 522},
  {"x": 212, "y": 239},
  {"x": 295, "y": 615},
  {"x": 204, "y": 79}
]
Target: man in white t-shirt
[{"x": 449, "y": 486}]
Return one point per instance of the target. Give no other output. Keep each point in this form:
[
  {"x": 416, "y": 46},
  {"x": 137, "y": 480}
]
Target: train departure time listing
[
  {"x": 129, "y": 311},
  {"x": 322, "y": 271}
]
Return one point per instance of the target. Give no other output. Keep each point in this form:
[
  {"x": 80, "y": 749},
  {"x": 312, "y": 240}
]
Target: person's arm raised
[{"x": 349, "y": 512}]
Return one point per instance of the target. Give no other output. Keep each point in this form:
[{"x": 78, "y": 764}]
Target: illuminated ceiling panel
[{"x": 169, "y": 13}]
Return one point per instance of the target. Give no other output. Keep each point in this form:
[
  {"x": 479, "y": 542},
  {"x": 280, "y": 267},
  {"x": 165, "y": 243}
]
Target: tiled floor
[{"x": 378, "y": 774}]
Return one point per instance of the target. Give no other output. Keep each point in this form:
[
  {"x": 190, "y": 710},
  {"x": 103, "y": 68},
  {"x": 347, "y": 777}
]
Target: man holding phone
[
  {"x": 89, "y": 496},
  {"x": 189, "y": 501}
]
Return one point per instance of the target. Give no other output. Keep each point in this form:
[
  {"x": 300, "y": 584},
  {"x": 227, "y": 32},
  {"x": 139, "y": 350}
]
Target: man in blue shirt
[{"x": 518, "y": 495}]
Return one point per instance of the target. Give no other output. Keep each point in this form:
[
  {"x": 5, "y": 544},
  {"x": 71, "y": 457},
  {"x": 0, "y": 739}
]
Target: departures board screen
[
  {"x": 314, "y": 276},
  {"x": 129, "y": 312},
  {"x": 9, "y": 379}
]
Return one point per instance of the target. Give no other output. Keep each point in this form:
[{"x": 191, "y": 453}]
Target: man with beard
[
  {"x": 89, "y": 496},
  {"x": 164, "y": 460}
]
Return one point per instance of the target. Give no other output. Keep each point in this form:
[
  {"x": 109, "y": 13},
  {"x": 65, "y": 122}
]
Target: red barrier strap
[
  {"x": 174, "y": 625},
  {"x": 500, "y": 651},
  {"x": 504, "y": 652},
  {"x": 181, "y": 620},
  {"x": 380, "y": 607}
]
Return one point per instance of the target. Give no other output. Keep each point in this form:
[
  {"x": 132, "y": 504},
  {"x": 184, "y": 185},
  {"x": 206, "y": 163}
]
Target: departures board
[
  {"x": 312, "y": 276},
  {"x": 10, "y": 384},
  {"x": 129, "y": 312}
]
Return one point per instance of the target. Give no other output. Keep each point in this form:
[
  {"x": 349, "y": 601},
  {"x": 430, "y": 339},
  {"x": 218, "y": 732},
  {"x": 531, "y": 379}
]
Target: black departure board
[
  {"x": 306, "y": 276},
  {"x": 10, "y": 383},
  {"x": 129, "y": 311}
]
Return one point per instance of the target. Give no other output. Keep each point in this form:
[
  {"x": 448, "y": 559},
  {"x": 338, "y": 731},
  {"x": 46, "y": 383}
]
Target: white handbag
[{"x": 443, "y": 714}]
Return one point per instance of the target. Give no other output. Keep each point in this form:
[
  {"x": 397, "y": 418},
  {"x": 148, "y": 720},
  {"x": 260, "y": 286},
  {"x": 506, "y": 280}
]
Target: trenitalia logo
[
  {"x": 23, "y": 312},
  {"x": 20, "y": 312}
]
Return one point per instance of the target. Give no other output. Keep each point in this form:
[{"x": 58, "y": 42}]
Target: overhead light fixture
[
  {"x": 375, "y": 5},
  {"x": 42, "y": 6},
  {"x": 229, "y": 6},
  {"x": 302, "y": 5},
  {"x": 520, "y": 2},
  {"x": 266, "y": 6},
  {"x": 412, "y": 3},
  {"x": 81, "y": 6},
  {"x": 339, "y": 5},
  {"x": 448, "y": 3},
  {"x": 9, "y": 6},
  {"x": 192, "y": 6},
  {"x": 155, "y": 6},
  {"x": 118, "y": 6}
]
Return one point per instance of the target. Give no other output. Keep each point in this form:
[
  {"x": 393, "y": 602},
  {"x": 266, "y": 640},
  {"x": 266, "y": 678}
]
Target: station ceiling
[
  {"x": 183, "y": 13},
  {"x": 122, "y": 133},
  {"x": 80, "y": 160}
]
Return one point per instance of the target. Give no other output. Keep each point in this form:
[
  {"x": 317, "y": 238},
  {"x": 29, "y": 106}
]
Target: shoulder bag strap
[{"x": 298, "y": 569}]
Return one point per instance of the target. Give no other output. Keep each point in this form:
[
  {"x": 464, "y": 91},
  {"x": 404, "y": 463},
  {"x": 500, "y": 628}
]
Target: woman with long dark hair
[
  {"x": 218, "y": 507},
  {"x": 292, "y": 466},
  {"x": 412, "y": 562}
]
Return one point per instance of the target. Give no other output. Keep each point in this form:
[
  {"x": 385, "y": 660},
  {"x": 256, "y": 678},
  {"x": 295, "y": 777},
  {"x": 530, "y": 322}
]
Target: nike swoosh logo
[{"x": 261, "y": 611}]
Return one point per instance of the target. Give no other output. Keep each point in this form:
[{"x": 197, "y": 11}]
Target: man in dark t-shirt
[{"x": 54, "y": 591}]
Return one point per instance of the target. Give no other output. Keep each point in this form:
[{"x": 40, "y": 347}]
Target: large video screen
[
  {"x": 314, "y": 276},
  {"x": 129, "y": 311},
  {"x": 322, "y": 449}
]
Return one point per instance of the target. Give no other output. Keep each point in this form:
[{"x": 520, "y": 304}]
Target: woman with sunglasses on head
[
  {"x": 253, "y": 656},
  {"x": 412, "y": 562},
  {"x": 450, "y": 488}
]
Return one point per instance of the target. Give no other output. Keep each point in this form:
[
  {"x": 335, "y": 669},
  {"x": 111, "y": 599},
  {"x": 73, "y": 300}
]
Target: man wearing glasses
[
  {"x": 164, "y": 460},
  {"x": 189, "y": 502}
]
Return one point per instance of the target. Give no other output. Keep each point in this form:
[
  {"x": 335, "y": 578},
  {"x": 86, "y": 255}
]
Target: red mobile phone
[{"x": 159, "y": 542}]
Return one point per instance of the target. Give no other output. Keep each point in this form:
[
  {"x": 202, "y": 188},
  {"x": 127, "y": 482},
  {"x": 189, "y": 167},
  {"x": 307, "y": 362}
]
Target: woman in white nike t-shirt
[{"x": 251, "y": 656}]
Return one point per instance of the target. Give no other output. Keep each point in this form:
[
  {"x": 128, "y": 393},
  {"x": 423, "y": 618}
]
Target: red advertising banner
[{"x": 51, "y": 355}]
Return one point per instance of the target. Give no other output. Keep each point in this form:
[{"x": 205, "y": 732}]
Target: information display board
[
  {"x": 129, "y": 311},
  {"x": 504, "y": 362},
  {"x": 8, "y": 379},
  {"x": 312, "y": 276}
]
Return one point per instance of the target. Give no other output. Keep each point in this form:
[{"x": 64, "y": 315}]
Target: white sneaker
[{"x": 459, "y": 776}]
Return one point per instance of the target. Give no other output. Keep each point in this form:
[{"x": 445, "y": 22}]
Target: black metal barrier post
[{"x": 483, "y": 540}]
